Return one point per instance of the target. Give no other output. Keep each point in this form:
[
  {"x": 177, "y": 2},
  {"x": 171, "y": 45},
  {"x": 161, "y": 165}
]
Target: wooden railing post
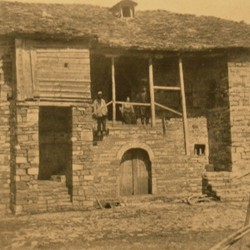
[
  {"x": 184, "y": 107},
  {"x": 113, "y": 91},
  {"x": 151, "y": 91}
]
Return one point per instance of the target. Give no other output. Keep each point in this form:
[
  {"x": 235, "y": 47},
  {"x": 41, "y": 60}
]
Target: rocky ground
[{"x": 149, "y": 225}]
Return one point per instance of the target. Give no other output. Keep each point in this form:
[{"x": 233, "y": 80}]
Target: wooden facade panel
[
  {"x": 60, "y": 71},
  {"x": 24, "y": 74},
  {"x": 63, "y": 50},
  {"x": 64, "y": 88},
  {"x": 72, "y": 62},
  {"x": 62, "y": 80},
  {"x": 63, "y": 94},
  {"x": 65, "y": 85},
  {"x": 59, "y": 54},
  {"x": 62, "y": 75}
]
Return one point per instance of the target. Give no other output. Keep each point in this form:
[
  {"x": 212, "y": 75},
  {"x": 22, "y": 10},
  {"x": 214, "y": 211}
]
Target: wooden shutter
[{"x": 25, "y": 68}]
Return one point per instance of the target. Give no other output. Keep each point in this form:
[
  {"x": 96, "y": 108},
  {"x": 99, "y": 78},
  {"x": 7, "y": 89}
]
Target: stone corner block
[{"x": 33, "y": 171}]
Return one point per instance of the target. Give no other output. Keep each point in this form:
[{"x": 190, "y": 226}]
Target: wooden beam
[
  {"x": 151, "y": 91},
  {"x": 62, "y": 80},
  {"x": 110, "y": 55},
  {"x": 247, "y": 222},
  {"x": 107, "y": 104},
  {"x": 168, "y": 109},
  {"x": 231, "y": 239},
  {"x": 167, "y": 88},
  {"x": 134, "y": 103},
  {"x": 184, "y": 107},
  {"x": 113, "y": 89}
]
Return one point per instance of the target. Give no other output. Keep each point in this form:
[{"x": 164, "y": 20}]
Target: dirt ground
[{"x": 150, "y": 225}]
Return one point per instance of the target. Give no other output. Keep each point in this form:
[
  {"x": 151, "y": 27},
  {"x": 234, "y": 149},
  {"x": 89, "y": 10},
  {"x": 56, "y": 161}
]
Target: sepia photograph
[{"x": 125, "y": 124}]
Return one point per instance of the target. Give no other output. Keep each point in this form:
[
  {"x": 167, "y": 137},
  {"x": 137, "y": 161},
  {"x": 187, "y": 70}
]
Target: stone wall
[
  {"x": 33, "y": 195},
  {"x": 4, "y": 156},
  {"x": 239, "y": 94},
  {"x": 206, "y": 83},
  {"x": 26, "y": 157},
  {"x": 219, "y": 136},
  {"x": 6, "y": 84},
  {"x": 173, "y": 173},
  {"x": 82, "y": 174}
]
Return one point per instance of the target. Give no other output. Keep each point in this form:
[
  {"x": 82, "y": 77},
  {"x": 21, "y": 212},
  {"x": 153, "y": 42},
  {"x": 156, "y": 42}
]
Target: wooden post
[
  {"x": 151, "y": 90},
  {"x": 113, "y": 90},
  {"x": 184, "y": 107},
  {"x": 247, "y": 222}
]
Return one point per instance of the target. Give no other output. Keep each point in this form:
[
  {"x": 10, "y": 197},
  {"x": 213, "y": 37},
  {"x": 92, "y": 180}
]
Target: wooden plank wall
[
  {"x": 23, "y": 71},
  {"x": 53, "y": 71}
]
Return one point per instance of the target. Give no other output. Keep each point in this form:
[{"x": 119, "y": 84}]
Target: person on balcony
[
  {"x": 100, "y": 114},
  {"x": 128, "y": 112},
  {"x": 144, "y": 111}
]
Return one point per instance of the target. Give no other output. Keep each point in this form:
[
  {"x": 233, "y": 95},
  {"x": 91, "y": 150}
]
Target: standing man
[
  {"x": 100, "y": 113},
  {"x": 144, "y": 111}
]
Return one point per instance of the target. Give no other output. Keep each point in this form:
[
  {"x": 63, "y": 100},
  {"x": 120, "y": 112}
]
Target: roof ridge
[{"x": 150, "y": 29}]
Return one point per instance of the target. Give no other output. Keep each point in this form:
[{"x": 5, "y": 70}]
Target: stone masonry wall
[
  {"x": 27, "y": 157},
  {"x": 173, "y": 173},
  {"x": 239, "y": 94},
  {"x": 32, "y": 195},
  {"x": 4, "y": 156},
  {"x": 82, "y": 165},
  {"x": 219, "y": 139},
  {"x": 6, "y": 83}
]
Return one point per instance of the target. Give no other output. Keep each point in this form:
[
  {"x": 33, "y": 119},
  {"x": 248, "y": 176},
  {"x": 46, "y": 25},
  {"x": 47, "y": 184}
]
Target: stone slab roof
[{"x": 151, "y": 30}]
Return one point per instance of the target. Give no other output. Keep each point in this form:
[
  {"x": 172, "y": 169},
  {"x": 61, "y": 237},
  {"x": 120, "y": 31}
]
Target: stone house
[{"x": 53, "y": 60}]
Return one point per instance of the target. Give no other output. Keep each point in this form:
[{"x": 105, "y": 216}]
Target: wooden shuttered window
[{"x": 58, "y": 72}]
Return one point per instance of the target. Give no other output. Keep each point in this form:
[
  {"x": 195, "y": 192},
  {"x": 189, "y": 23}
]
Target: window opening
[
  {"x": 199, "y": 149},
  {"x": 126, "y": 11}
]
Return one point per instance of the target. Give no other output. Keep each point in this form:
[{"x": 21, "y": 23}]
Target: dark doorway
[
  {"x": 55, "y": 129},
  {"x": 135, "y": 173}
]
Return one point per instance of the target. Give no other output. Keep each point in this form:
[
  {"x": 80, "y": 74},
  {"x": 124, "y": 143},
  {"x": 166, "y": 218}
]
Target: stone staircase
[
  {"x": 226, "y": 186},
  {"x": 166, "y": 144},
  {"x": 53, "y": 195},
  {"x": 177, "y": 175}
]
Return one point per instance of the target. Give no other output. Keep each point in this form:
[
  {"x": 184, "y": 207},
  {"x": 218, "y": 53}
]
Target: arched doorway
[{"x": 135, "y": 173}]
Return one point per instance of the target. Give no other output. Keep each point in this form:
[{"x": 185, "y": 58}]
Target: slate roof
[{"x": 158, "y": 29}]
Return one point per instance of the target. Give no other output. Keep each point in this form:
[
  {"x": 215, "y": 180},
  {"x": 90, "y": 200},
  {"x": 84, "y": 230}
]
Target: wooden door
[
  {"x": 126, "y": 174},
  {"x": 135, "y": 174}
]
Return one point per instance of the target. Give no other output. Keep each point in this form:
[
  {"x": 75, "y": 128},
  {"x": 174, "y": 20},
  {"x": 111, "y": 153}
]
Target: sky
[{"x": 238, "y": 10}]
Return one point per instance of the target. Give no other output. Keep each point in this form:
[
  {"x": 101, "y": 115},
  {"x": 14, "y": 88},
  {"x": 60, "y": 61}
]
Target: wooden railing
[
  {"x": 147, "y": 105},
  {"x": 153, "y": 104}
]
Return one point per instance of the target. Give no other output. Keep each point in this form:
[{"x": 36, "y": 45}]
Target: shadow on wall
[{"x": 55, "y": 146}]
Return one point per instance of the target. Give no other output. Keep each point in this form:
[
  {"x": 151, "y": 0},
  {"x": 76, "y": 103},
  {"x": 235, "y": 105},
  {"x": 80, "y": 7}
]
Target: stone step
[
  {"x": 49, "y": 183},
  {"x": 53, "y": 193}
]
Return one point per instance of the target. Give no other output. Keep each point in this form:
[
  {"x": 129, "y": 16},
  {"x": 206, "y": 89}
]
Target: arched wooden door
[{"x": 135, "y": 173}]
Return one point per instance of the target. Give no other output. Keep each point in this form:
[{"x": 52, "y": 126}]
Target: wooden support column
[
  {"x": 151, "y": 91},
  {"x": 184, "y": 107},
  {"x": 113, "y": 90}
]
